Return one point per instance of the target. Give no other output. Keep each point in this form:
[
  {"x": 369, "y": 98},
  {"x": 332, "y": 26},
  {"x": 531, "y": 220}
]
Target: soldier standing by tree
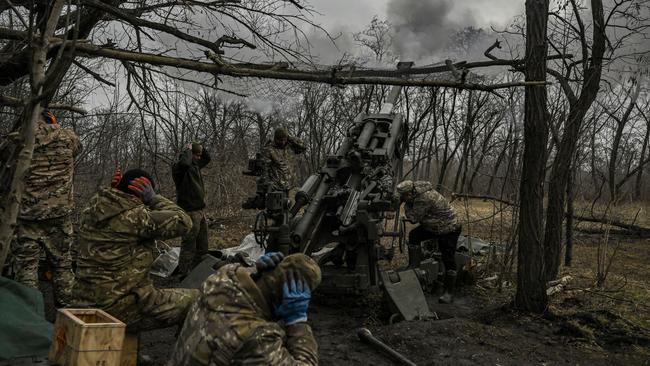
[
  {"x": 425, "y": 206},
  {"x": 278, "y": 155},
  {"x": 190, "y": 196},
  {"x": 44, "y": 220}
]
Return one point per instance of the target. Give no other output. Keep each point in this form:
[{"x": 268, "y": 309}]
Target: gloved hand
[
  {"x": 143, "y": 188},
  {"x": 268, "y": 261},
  {"x": 295, "y": 299},
  {"x": 117, "y": 177}
]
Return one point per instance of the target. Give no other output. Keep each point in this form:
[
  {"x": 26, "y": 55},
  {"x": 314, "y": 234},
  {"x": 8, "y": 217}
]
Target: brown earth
[{"x": 584, "y": 325}]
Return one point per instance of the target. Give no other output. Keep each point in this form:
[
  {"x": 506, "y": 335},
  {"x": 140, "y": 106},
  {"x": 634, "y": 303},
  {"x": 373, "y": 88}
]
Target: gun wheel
[{"x": 260, "y": 229}]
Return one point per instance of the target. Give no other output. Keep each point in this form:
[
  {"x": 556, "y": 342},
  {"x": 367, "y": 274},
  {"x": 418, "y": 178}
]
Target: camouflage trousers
[
  {"x": 151, "y": 308},
  {"x": 195, "y": 244},
  {"x": 54, "y": 238}
]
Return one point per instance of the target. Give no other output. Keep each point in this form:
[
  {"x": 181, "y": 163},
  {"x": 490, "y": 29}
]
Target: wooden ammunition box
[{"x": 86, "y": 337}]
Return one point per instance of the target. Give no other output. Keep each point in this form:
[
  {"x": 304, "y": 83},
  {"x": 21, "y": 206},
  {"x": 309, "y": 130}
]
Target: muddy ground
[
  {"x": 476, "y": 330},
  {"x": 469, "y": 333},
  {"x": 583, "y": 325}
]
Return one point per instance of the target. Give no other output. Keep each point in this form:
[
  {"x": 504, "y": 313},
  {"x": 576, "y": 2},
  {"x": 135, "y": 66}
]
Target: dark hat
[
  {"x": 197, "y": 148},
  {"x": 131, "y": 175}
]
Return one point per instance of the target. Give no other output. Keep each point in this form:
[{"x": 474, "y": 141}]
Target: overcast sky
[
  {"x": 421, "y": 25},
  {"x": 357, "y": 13}
]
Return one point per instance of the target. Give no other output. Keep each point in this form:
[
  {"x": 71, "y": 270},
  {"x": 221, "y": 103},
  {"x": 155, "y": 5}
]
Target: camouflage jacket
[
  {"x": 280, "y": 162},
  {"x": 117, "y": 244},
  {"x": 48, "y": 183},
  {"x": 232, "y": 324},
  {"x": 431, "y": 209}
]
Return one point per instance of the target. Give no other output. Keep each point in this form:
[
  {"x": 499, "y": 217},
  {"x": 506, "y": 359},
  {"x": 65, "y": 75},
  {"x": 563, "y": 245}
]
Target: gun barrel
[
  {"x": 366, "y": 134},
  {"x": 305, "y": 192},
  {"x": 395, "y": 132},
  {"x": 301, "y": 230}
]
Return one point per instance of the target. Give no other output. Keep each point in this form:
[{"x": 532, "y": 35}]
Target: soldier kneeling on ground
[
  {"x": 117, "y": 245},
  {"x": 248, "y": 316},
  {"x": 437, "y": 220}
]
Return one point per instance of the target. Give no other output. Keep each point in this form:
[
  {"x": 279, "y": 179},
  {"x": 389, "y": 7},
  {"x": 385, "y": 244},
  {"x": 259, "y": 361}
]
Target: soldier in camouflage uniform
[
  {"x": 278, "y": 155},
  {"x": 252, "y": 318},
  {"x": 437, "y": 219},
  {"x": 117, "y": 245},
  {"x": 44, "y": 220}
]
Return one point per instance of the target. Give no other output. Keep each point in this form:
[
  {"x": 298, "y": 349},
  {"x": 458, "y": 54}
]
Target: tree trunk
[
  {"x": 568, "y": 254},
  {"x": 561, "y": 169},
  {"x": 531, "y": 282},
  {"x": 618, "y": 136},
  {"x": 639, "y": 175}
]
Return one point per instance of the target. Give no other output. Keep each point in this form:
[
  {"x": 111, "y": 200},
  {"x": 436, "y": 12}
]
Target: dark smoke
[{"x": 424, "y": 28}]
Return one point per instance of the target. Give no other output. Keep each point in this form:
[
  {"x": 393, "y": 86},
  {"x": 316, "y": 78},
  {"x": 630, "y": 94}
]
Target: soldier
[
  {"x": 44, "y": 220},
  {"x": 437, "y": 219},
  {"x": 117, "y": 244},
  {"x": 190, "y": 196},
  {"x": 234, "y": 321},
  {"x": 278, "y": 155}
]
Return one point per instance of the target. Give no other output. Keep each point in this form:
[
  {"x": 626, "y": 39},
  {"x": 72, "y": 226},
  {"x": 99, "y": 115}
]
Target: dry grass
[{"x": 626, "y": 292}]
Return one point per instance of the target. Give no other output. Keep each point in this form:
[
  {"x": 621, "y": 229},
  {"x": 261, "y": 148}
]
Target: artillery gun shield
[{"x": 405, "y": 294}]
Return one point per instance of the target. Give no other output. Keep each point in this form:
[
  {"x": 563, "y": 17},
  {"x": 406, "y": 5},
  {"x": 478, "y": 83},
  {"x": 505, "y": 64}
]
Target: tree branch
[{"x": 6, "y": 100}]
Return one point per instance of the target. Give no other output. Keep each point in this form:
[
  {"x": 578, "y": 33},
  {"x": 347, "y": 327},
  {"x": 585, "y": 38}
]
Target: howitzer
[{"x": 344, "y": 205}]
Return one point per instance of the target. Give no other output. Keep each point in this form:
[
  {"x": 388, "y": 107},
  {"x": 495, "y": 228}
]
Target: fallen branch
[{"x": 630, "y": 227}]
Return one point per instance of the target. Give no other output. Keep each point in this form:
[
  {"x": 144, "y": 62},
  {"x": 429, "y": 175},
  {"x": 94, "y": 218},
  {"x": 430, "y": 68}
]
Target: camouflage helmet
[
  {"x": 406, "y": 186},
  {"x": 300, "y": 263}
]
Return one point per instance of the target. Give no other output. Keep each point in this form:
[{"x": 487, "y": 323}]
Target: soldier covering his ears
[
  {"x": 252, "y": 316},
  {"x": 117, "y": 245}
]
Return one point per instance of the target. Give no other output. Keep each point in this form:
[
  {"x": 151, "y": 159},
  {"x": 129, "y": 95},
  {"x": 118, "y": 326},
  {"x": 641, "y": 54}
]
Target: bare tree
[{"x": 531, "y": 279}]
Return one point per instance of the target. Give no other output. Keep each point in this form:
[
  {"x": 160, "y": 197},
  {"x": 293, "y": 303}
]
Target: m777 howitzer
[{"x": 344, "y": 203}]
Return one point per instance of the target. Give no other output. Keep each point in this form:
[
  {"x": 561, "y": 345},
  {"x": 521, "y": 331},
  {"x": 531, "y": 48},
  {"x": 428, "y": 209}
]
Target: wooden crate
[{"x": 86, "y": 337}]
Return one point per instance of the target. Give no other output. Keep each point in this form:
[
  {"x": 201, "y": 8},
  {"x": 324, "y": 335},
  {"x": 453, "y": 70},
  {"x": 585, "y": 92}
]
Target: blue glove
[
  {"x": 295, "y": 299},
  {"x": 268, "y": 261}
]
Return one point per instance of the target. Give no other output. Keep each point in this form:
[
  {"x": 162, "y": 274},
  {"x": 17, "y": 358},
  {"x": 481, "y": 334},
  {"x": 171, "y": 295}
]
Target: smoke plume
[{"x": 423, "y": 28}]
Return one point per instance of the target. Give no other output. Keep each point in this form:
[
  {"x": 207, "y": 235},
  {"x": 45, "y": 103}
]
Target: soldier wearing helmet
[{"x": 437, "y": 220}]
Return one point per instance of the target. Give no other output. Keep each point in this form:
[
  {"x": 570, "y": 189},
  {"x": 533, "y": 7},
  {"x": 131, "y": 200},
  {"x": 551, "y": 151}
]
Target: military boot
[{"x": 449, "y": 283}]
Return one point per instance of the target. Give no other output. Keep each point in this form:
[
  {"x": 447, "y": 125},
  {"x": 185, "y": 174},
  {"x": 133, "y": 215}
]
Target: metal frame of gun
[{"x": 344, "y": 203}]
